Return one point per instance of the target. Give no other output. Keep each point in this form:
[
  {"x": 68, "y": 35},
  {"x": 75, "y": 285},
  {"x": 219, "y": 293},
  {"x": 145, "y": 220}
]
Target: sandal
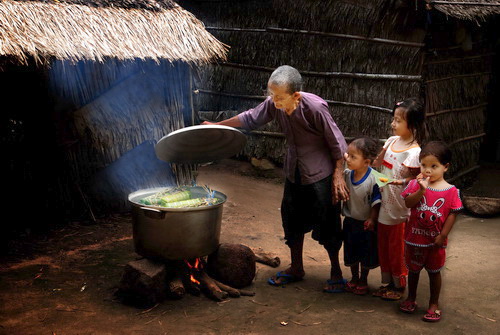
[
  {"x": 432, "y": 316},
  {"x": 361, "y": 290},
  {"x": 408, "y": 306},
  {"x": 341, "y": 283},
  {"x": 282, "y": 279},
  {"x": 393, "y": 294},
  {"x": 381, "y": 291},
  {"x": 350, "y": 287}
]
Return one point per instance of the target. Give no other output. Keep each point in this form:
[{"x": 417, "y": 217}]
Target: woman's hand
[{"x": 339, "y": 188}]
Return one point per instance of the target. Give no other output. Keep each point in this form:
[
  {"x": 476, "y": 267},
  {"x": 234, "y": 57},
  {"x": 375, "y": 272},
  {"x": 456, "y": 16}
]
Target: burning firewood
[
  {"x": 233, "y": 293},
  {"x": 210, "y": 288},
  {"x": 176, "y": 288}
]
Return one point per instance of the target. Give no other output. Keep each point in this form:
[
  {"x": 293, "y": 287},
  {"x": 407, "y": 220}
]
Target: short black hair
[
  {"x": 438, "y": 149},
  {"x": 368, "y": 146}
]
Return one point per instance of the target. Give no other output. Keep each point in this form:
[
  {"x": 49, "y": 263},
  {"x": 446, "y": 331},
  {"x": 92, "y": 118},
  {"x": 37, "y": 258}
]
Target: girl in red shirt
[{"x": 434, "y": 205}]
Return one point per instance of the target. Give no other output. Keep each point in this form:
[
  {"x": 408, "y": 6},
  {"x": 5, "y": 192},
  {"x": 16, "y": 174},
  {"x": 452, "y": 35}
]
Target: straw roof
[
  {"x": 95, "y": 30},
  {"x": 474, "y": 10}
]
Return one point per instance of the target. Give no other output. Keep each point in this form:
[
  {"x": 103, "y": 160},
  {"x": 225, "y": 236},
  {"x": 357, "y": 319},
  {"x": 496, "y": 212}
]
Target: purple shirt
[{"x": 314, "y": 140}]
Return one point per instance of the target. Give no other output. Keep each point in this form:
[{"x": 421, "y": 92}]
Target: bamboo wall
[
  {"x": 457, "y": 74},
  {"x": 360, "y": 56},
  {"x": 345, "y": 50}
]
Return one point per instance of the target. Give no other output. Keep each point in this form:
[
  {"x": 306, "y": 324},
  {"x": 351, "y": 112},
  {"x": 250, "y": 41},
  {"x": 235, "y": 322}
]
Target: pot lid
[{"x": 200, "y": 144}]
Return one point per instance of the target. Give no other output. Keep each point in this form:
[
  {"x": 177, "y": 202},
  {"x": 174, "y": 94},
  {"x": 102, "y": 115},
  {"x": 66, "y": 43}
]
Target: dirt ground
[{"x": 63, "y": 282}]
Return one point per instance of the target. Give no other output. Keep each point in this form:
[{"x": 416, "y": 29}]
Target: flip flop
[
  {"x": 361, "y": 290},
  {"x": 392, "y": 294},
  {"x": 381, "y": 291},
  {"x": 287, "y": 279},
  {"x": 350, "y": 287},
  {"x": 408, "y": 307},
  {"x": 432, "y": 316},
  {"x": 342, "y": 282}
]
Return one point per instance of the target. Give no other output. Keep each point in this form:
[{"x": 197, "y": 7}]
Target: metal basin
[{"x": 175, "y": 233}]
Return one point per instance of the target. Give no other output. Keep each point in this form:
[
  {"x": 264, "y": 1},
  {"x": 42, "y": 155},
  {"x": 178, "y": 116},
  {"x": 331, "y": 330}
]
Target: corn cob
[
  {"x": 174, "y": 197},
  {"x": 197, "y": 202},
  {"x": 185, "y": 203}
]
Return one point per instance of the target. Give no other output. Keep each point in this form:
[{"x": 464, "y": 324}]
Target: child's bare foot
[{"x": 286, "y": 276}]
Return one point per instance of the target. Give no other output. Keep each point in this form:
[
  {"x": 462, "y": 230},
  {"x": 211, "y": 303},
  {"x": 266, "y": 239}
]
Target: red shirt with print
[{"x": 427, "y": 218}]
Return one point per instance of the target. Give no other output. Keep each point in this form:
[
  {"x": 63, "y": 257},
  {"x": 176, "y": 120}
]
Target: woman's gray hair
[{"x": 288, "y": 76}]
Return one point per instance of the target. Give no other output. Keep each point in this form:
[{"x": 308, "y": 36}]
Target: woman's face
[{"x": 282, "y": 99}]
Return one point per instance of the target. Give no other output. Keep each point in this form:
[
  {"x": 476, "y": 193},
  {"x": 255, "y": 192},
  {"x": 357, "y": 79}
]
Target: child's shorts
[
  {"x": 430, "y": 258},
  {"x": 360, "y": 245}
]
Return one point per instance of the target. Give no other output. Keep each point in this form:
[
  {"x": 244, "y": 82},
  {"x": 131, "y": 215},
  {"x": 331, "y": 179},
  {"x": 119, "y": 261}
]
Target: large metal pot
[{"x": 175, "y": 233}]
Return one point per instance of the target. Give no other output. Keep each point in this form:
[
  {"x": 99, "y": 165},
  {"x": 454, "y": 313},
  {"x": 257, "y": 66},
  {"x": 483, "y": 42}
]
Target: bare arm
[
  {"x": 413, "y": 199},
  {"x": 232, "y": 122},
  {"x": 378, "y": 161},
  {"x": 370, "y": 223},
  {"x": 448, "y": 224}
]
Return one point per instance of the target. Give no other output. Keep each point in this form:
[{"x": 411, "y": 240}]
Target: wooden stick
[
  {"x": 321, "y": 33},
  {"x": 463, "y": 3},
  {"x": 234, "y": 293},
  {"x": 478, "y": 74},
  {"x": 332, "y": 102},
  {"x": 463, "y": 173},
  {"x": 373, "y": 76},
  {"x": 461, "y": 109},
  {"x": 247, "y": 293},
  {"x": 468, "y": 138},
  {"x": 176, "y": 288},
  {"x": 267, "y": 258},
  {"x": 453, "y": 60},
  {"x": 210, "y": 288}
]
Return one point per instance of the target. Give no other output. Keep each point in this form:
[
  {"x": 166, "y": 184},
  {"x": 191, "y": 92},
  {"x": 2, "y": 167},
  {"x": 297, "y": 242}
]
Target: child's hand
[
  {"x": 369, "y": 225},
  {"x": 439, "y": 240},
  {"x": 423, "y": 182}
]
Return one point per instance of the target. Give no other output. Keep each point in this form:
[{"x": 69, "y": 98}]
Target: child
[
  {"x": 361, "y": 213},
  {"x": 434, "y": 205},
  {"x": 399, "y": 161}
]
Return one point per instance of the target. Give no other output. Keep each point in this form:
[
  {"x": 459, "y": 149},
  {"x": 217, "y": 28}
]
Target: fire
[
  {"x": 194, "y": 280},
  {"x": 196, "y": 267}
]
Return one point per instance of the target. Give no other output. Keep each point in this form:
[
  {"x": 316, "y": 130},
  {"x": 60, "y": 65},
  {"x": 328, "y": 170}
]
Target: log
[
  {"x": 210, "y": 288},
  {"x": 175, "y": 288},
  {"x": 233, "y": 292},
  {"x": 266, "y": 258}
]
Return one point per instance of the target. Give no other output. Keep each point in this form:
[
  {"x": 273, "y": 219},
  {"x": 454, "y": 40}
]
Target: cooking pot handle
[{"x": 153, "y": 213}]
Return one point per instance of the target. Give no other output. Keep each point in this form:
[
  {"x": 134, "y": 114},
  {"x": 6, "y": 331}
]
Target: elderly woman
[{"x": 313, "y": 167}]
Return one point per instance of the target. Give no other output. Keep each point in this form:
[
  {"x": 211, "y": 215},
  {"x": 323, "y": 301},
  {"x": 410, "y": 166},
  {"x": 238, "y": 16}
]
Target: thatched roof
[
  {"x": 95, "y": 30},
  {"x": 475, "y": 10}
]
